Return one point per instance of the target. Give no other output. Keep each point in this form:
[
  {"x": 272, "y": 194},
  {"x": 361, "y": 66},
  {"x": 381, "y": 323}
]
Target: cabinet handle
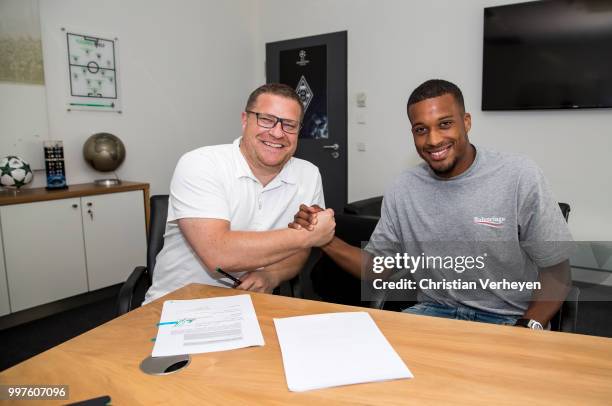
[
  {"x": 90, "y": 213},
  {"x": 74, "y": 205}
]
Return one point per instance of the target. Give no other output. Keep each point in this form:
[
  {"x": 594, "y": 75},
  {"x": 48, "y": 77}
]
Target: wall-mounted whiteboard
[{"x": 92, "y": 69}]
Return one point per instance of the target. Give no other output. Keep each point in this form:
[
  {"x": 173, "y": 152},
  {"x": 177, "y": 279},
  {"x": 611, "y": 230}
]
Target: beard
[
  {"x": 445, "y": 169},
  {"x": 441, "y": 168}
]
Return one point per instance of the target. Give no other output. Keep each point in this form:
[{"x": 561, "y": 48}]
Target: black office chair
[
  {"x": 566, "y": 318},
  {"x": 132, "y": 293},
  {"x": 565, "y": 210}
]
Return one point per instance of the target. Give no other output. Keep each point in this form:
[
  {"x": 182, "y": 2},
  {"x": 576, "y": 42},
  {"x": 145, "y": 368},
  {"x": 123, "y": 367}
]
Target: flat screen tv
[{"x": 548, "y": 55}]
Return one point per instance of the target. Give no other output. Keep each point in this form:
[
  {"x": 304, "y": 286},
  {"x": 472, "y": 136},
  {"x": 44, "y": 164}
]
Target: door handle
[{"x": 335, "y": 147}]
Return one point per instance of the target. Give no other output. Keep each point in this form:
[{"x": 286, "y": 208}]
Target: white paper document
[
  {"x": 333, "y": 349},
  {"x": 207, "y": 325}
]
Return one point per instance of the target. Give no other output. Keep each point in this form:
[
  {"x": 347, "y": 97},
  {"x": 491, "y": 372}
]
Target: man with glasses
[{"x": 230, "y": 204}]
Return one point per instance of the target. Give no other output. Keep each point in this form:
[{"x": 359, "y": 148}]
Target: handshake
[{"x": 319, "y": 224}]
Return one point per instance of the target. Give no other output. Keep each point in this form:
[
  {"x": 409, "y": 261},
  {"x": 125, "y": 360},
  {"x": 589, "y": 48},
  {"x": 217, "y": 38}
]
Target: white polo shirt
[{"x": 216, "y": 182}]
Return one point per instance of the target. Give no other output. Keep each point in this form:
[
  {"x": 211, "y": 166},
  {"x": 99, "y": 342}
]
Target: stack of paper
[
  {"x": 334, "y": 349},
  {"x": 207, "y": 325}
]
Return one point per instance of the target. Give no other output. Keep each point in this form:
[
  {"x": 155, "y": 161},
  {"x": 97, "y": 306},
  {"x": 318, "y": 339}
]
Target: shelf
[{"x": 28, "y": 195}]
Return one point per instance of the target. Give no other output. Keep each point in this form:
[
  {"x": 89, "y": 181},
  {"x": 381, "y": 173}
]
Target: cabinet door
[
  {"x": 43, "y": 247},
  {"x": 4, "y": 297},
  {"x": 115, "y": 236}
]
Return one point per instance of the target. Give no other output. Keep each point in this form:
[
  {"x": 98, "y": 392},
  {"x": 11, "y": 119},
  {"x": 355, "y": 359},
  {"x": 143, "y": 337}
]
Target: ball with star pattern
[{"x": 14, "y": 172}]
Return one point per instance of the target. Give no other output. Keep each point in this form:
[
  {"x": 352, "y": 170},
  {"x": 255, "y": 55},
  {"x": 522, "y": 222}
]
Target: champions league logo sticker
[{"x": 303, "y": 61}]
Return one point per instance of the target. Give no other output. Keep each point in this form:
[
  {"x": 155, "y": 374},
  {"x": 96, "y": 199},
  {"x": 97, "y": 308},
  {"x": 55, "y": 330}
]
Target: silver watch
[
  {"x": 534, "y": 325},
  {"x": 529, "y": 323}
]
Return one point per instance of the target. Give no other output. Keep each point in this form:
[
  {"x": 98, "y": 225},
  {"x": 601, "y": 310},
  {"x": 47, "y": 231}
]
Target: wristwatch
[{"x": 529, "y": 323}]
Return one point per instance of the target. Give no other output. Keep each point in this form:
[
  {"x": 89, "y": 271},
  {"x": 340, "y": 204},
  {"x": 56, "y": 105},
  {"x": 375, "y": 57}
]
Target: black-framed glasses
[{"x": 269, "y": 121}]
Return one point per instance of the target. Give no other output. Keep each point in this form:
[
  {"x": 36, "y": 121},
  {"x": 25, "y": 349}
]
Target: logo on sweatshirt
[{"x": 493, "y": 222}]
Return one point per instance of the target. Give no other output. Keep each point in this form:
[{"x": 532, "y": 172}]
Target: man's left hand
[{"x": 258, "y": 281}]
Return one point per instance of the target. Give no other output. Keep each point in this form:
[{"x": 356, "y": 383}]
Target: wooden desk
[{"x": 454, "y": 362}]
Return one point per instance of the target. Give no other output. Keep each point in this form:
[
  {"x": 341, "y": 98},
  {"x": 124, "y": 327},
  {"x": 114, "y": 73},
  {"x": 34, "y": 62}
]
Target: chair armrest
[
  {"x": 378, "y": 300},
  {"x": 569, "y": 311},
  {"x": 125, "y": 297},
  {"x": 301, "y": 283}
]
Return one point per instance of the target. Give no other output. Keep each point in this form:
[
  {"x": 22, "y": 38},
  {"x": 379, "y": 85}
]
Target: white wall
[
  {"x": 23, "y": 103},
  {"x": 23, "y": 107},
  {"x": 393, "y": 46},
  {"x": 185, "y": 70},
  {"x": 186, "y": 67}
]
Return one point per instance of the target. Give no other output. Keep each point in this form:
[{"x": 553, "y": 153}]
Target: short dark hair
[
  {"x": 278, "y": 89},
  {"x": 435, "y": 88}
]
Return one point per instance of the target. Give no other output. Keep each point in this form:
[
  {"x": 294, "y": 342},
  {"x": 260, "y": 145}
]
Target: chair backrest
[
  {"x": 566, "y": 318},
  {"x": 157, "y": 228},
  {"x": 366, "y": 207},
  {"x": 132, "y": 293},
  {"x": 565, "y": 209}
]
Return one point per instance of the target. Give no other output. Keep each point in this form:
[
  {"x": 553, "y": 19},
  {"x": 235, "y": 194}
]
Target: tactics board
[{"x": 93, "y": 72}]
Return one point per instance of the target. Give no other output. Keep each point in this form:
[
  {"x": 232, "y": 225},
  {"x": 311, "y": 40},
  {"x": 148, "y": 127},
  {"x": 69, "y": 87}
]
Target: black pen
[{"x": 222, "y": 272}]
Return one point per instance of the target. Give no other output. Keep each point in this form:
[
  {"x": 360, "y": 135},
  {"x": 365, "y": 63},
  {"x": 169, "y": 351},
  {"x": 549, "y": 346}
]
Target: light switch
[
  {"x": 361, "y": 117},
  {"x": 361, "y": 99},
  {"x": 361, "y": 146}
]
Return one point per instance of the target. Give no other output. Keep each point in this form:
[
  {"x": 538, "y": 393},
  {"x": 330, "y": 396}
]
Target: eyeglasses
[{"x": 269, "y": 121}]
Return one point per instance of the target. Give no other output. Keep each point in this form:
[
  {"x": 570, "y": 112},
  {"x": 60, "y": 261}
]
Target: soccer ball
[{"x": 14, "y": 172}]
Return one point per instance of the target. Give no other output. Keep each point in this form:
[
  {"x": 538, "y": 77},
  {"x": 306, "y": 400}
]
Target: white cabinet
[
  {"x": 54, "y": 249},
  {"x": 43, "y": 250},
  {"x": 4, "y": 299},
  {"x": 115, "y": 240}
]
